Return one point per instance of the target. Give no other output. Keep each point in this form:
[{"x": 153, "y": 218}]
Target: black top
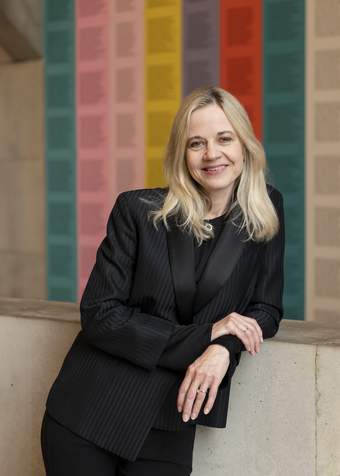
[
  {"x": 202, "y": 254},
  {"x": 203, "y": 251},
  {"x": 181, "y": 446}
]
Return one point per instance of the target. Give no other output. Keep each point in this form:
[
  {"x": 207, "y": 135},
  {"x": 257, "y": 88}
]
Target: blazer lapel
[
  {"x": 218, "y": 269},
  {"x": 222, "y": 261},
  {"x": 182, "y": 263}
]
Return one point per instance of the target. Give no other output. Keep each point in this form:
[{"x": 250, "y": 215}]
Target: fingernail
[
  {"x": 193, "y": 416},
  {"x": 185, "y": 417},
  {"x": 206, "y": 410},
  {"x": 179, "y": 409}
]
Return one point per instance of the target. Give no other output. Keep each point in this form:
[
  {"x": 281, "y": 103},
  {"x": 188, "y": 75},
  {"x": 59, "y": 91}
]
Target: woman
[{"x": 187, "y": 277}]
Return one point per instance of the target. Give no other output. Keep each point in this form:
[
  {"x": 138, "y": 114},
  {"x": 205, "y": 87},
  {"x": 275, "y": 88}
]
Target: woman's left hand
[{"x": 205, "y": 373}]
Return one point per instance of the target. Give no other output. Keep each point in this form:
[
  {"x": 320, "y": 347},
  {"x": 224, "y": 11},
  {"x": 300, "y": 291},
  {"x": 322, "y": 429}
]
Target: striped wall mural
[
  {"x": 60, "y": 113},
  {"x": 322, "y": 159},
  {"x": 116, "y": 71},
  {"x": 283, "y": 109}
]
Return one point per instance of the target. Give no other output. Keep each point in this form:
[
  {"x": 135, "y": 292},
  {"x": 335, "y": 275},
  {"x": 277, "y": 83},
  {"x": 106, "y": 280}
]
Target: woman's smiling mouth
[{"x": 214, "y": 170}]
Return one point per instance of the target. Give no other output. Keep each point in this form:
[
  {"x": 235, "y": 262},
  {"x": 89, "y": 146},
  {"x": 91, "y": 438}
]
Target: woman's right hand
[{"x": 245, "y": 328}]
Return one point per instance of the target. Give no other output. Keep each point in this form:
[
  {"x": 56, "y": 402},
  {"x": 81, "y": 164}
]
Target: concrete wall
[
  {"x": 4, "y": 56},
  {"x": 22, "y": 181},
  {"x": 283, "y": 419},
  {"x": 26, "y": 18}
]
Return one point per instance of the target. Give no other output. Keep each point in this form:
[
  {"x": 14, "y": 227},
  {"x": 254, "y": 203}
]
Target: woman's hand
[
  {"x": 205, "y": 373},
  {"x": 245, "y": 328}
]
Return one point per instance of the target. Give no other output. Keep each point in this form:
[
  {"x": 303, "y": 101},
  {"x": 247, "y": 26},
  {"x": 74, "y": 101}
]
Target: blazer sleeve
[
  {"x": 186, "y": 345},
  {"x": 266, "y": 305},
  {"x": 107, "y": 320}
]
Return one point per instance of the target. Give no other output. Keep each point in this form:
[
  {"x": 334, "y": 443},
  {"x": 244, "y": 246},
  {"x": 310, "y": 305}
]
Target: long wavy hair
[{"x": 189, "y": 202}]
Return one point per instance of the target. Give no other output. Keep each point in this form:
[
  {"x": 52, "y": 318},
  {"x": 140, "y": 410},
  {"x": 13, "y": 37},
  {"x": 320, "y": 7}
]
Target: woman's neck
[{"x": 219, "y": 207}]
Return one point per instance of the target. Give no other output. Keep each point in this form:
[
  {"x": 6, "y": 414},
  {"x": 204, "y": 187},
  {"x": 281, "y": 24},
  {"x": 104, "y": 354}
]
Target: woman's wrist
[
  {"x": 221, "y": 349},
  {"x": 217, "y": 331}
]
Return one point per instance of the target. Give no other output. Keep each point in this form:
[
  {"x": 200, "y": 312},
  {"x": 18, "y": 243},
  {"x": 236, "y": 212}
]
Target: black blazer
[{"x": 143, "y": 321}]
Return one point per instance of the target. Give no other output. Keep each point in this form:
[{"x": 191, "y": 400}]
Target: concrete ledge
[
  {"x": 284, "y": 417},
  {"x": 39, "y": 309}
]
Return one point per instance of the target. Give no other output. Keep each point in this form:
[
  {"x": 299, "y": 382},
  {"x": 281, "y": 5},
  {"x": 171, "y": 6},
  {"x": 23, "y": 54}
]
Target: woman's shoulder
[
  {"x": 138, "y": 198},
  {"x": 141, "y": 194},
  {"x": 274, "y": 193}
]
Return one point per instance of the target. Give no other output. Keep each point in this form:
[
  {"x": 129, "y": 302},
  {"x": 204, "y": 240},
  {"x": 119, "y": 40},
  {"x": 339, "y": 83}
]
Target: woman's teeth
[{"x": 215, "y": 169}]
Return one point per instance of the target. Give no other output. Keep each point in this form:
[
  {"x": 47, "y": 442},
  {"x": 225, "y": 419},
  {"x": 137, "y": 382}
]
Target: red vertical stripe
[{"x": 241, "y": 55}]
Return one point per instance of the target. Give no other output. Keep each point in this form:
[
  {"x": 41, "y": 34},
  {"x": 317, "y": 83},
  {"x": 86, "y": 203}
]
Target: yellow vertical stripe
[{"x": 163, "y": 81}]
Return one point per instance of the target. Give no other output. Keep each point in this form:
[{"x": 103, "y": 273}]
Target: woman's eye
[
  {"x": 199, "y": 144},
  {"x": 196, "y": 145}
]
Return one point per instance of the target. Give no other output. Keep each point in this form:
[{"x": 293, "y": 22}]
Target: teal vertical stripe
[
  {"x": 284, "y": 132},
  {"x": 59, "y": 40}
]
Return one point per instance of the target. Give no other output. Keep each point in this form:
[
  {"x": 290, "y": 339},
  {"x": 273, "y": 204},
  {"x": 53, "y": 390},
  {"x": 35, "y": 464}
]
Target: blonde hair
[{"x": 189, "y": 201}]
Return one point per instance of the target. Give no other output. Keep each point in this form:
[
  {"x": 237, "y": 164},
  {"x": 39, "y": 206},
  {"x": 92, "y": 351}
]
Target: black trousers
[{"x": 67, "y": 454}]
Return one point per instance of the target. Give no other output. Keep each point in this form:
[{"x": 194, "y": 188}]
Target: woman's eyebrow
[
  {"x": 224, "y": 132},
  {"x": 218, "y": 134}
]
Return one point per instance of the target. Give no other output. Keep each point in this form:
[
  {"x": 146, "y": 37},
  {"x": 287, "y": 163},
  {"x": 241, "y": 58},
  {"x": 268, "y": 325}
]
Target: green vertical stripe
[
  {"x": 284, "y": 132},
  {"x": 59, "y": 36}
]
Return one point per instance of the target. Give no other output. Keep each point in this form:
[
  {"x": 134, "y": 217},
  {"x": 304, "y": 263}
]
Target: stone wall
[
  {"x": 283, "y": 416},
  {"x": 22, "y": 181},
  {"x": 26, "y": 17}
]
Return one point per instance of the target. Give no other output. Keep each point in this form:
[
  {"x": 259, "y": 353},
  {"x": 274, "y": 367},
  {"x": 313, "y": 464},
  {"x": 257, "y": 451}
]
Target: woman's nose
[{"x": 211, "y": 151}]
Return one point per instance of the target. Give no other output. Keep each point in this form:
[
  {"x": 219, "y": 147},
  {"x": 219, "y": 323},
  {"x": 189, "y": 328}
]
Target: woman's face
[{"x": 212, "y": 142}]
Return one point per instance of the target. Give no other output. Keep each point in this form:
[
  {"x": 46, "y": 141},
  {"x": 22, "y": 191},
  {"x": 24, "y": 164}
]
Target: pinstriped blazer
[{"x": 143, "y": 321}]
